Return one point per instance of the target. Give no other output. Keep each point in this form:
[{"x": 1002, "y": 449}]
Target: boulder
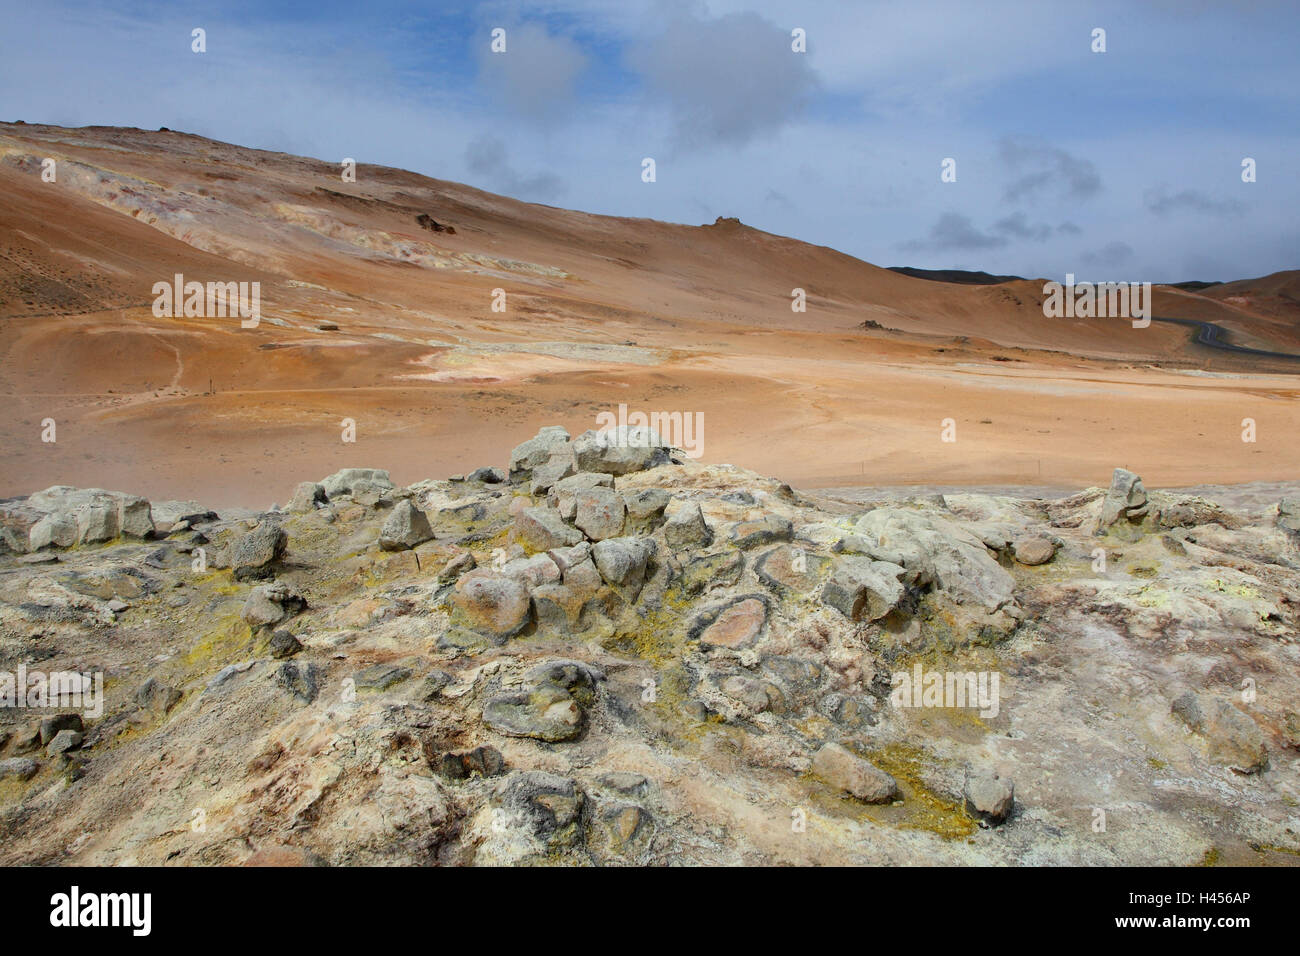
[
  {"x": 862, "y": 589},
  {"x": 937, "y": 553},
  {"x": 542, "y": 528},
  {"x": 270, "y": 604},
  {"x": 1232, "y": 739},
  {"x": 543, "y": 460},
  {"x": 406, "y": 527},
  {"x": 494, "y": 606},
  {"x": 1125, "y": 501},
  {"x": 307, "y": 497},
  {"x": 623, "y": 562},
  {"x": 255, "y": 553},
  {"x": 600, "y": 513},
  {"x": 620, "y": 451}
]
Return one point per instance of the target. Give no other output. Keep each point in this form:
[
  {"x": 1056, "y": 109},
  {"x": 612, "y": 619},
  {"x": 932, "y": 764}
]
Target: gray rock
[
  {"x": 645, "y": 509},
  {"x": 563, "y": 494},
  {"x": 134, "y": 518},
  {"x": 1125, "y": 501},
  {"x": 1232, "y": 739},
  {"x": 307, "y": 497},
  {"x": 270, "y": 604},
  {"x": 346, "y": 480},
  {"x": 176, "y": 512},
  {"x": 64, "y": 741},
  {"x": 768, "y": 529},
  {"x": 21, "y": 768},
  {"x": 378, "y": 677},
  {"x": 536, "y": 451},
  {"x": 1033, "y": 550},
  {"x": 623, "y": 562},
  {"x": 1288, "y": 514},
  {"x": 989, "y": 797},
  {"x": 157, "y": 697},
  {"x": 488, "y": 475},
  {"x": 456, "y": 566},
  {"x": 939, "y": 553},
  {"x": 52, "y": 726},
  {"x": 254, "y": 554},
  {"x": 545, "y": 805},
  {"x": 862, "y": 589},
  {"x": 845, "y": 770},
  {"x": 686, "y": 529},
  {"x": 552, "y": 705},
  {"x": 284, "y": 644},
  {"x": 620, "y": 451},
  {"x": 482, "y": 761},
  {"x": 600, "y": 513},
  {"x": 547, "y": 712},
  {"x": 406, "y": 527},
  {"x": 493, "y": 606},
  {"x": 710, "y": 571},
  {"x": 301, "y": 680},
  {"x": 542, "y": 529}
]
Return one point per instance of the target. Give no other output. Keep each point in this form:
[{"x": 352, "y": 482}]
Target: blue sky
[{"x": 1123, "y": 165}]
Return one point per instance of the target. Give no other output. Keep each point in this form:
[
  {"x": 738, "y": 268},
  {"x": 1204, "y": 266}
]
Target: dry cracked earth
[{"x": 609, "y": 653}]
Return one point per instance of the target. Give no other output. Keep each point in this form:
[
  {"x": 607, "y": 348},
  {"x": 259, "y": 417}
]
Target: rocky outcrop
[{"x": 603, "y": 655}]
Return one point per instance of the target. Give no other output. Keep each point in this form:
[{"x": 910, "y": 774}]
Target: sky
[{"x": 1123, "y": 165}]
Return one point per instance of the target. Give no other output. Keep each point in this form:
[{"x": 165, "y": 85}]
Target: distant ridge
[
  {"x": 959, "y": 276},
  {"x": 964, "y": 277}
]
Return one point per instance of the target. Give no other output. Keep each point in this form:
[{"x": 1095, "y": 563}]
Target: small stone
[
  {"x": 284, "y": 644},
  {"x": 1125, "y": 500},
  {"x": 301, "y": 680},
  {"x": 379, "y": 677},
  {"x": 686, "y": 529},
  {"x": 989, "y": 797},
  {"x": 156, "y": 696},
  {"x": 1033, "y": 550}
]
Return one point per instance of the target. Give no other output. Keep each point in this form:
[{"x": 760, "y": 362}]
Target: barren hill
[{"x": 373, "y": 310}]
